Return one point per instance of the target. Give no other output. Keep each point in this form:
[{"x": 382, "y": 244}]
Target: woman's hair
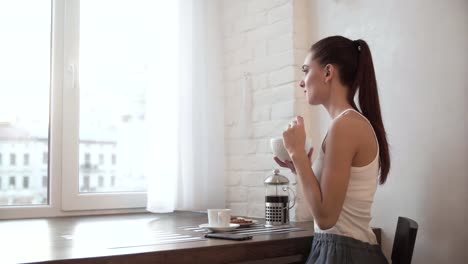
[{"x": 356, "y": 70}]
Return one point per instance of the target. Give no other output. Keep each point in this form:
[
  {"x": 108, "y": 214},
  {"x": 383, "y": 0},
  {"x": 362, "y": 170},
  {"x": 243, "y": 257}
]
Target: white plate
[
  {"x": 247, "y": 224},
  {"x": 219, "y": 228}
]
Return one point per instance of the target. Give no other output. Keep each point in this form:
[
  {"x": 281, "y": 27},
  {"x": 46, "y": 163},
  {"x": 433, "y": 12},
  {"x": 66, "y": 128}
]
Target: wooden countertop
[{"x": 121, "y": 239}]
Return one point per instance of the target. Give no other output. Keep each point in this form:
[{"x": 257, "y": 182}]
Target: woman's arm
[{"x": 325, "y": 199}]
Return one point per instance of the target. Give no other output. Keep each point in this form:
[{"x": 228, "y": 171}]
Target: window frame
[
  {"x": 72, "y": 198},
  {"x": 64, "y": 198}
]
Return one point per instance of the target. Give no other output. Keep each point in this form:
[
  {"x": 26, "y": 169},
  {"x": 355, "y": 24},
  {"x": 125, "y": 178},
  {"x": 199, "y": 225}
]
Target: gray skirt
[{"x": 334, "y": 249}]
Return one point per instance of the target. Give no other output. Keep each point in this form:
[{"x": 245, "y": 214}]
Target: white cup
[
  {"x": 278, "y": 149},
  {"x": 219, "y": 217}
]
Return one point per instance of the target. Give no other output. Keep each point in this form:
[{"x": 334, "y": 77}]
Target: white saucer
[{"x": 219, "y": 228}]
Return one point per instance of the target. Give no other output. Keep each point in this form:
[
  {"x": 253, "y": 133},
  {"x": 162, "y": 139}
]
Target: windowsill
[
  {"x": 47, "y": 211},
  {"x": 129, "y": 238}
]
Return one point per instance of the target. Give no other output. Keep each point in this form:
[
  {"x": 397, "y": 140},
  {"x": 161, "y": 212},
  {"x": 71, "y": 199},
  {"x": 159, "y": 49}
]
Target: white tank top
[{"x": 355, "y": 217}]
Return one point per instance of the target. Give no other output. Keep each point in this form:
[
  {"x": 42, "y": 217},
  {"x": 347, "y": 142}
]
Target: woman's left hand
[{"x": 294, "y": 137}]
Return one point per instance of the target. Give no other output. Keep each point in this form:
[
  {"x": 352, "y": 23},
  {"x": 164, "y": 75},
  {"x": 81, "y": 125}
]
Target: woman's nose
[{"x": 302, "y": 84}]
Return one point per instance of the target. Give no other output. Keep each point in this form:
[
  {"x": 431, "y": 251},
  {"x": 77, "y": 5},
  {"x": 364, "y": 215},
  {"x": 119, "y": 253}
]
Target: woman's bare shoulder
[
  {"x": 352, "y": 121},
  {"x": 350, "y": 127}
]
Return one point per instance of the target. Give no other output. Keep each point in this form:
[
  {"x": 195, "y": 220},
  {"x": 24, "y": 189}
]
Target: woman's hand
[
  {"x": 294, "y": 137},
  {"x": 289, "y": 164}
]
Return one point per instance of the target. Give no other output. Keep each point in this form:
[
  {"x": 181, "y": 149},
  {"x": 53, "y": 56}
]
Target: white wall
[
  {"x": 421, "y": 59},
  {"x": 261, "y": 40},
  {"x": 421, "y": 62}
]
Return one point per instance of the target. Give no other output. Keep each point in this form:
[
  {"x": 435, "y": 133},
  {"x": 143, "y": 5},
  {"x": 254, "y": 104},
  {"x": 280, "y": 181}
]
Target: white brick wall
[
  {"x": 283, "y": 110},
  {"x": 284, "y": 11},
  {"x": 261, "y": 113},
  {"x": 280, "y": 43},
  {"x": 240, "y": 147},
  {"x": 282, "y": 76},
  {"x": 261, "y": 38},
  {"x": 237, "y": 194}
]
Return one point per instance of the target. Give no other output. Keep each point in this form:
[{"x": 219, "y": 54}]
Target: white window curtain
[{"x": 185, "y": 152}]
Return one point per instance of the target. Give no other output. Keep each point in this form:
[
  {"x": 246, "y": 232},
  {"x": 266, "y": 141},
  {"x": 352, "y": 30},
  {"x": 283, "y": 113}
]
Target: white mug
[
  {"x": 278, "y": 149},
  {"x": 219, "y": 217}
]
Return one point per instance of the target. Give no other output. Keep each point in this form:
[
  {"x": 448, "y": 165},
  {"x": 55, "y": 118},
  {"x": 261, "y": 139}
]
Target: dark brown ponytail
[{"x": 356, "y": 70}]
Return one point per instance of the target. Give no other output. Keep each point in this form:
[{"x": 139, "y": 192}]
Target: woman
[{"x": 340, "y": 186}]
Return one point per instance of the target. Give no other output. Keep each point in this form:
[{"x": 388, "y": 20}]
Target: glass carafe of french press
[{"x": 277, "y": 200}]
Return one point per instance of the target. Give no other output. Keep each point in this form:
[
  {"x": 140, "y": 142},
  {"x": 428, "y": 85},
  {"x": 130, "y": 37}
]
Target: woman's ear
[{"x": 329, "y": 72}]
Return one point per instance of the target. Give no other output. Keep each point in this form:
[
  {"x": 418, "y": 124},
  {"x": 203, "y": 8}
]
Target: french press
[{"x": 277, "y": 200}]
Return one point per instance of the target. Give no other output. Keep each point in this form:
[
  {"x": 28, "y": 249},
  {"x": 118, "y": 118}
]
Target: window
[
  {"x": 91, "y": 76},
  {"x": 86, "y": 184},
  {"x": 24, "y": 89},
  {"x": 117, "y": 128},
  {"x": 45, "y": 181},
  {"x": 12, "y": 159},
  {"x": 101, "y": 181},
  {"x": 26, "y": 159},
  {"x": 87, "y": 159},
  {"x": 12, "y": 182},
  {"x": 25, "y": 182},
  {"x": 1, "y": 159}
]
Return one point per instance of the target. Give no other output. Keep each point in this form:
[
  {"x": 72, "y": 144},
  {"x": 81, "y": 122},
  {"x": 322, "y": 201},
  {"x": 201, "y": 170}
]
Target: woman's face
[{"x": 313, "y": 83}]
